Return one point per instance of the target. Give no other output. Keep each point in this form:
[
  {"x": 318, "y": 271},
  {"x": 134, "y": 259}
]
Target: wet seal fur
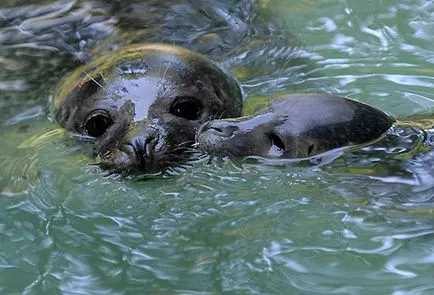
[
  {"x": 141, "y": 106},
  {"x": 294, "y": 126}
]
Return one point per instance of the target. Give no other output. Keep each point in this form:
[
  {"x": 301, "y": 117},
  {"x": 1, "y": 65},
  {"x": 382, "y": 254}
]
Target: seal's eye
[
  {"x": 277, "y": 146},
  {"x": 276, "y": 141},
  {"x": 97, "y": 123},
  {"x": 187, "y": 108}
]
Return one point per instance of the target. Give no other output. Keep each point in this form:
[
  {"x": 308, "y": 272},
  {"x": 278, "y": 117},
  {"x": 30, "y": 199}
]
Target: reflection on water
[{"x": 356, "y": 223}]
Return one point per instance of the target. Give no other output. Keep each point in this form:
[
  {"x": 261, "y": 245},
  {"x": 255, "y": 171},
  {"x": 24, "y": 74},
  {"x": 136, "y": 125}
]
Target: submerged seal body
[
  {"x": 141, "y": 105},
  {"x": 295, "y": 126}
]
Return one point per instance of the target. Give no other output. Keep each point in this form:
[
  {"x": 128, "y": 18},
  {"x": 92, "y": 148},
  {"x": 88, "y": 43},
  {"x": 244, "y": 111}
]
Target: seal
[
  {"x": 294, "y": 126},
  {"x": 141, "y": 106}
]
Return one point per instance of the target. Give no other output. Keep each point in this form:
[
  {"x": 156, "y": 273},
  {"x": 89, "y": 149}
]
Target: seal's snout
[
  {"x": 138, "y": 151},
  {"x": 216, "y": 135}
]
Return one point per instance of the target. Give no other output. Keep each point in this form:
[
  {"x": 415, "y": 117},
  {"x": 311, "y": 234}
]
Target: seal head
[
  {"x": 295, "y": 126},
  {"x": 141, "y": 106}
]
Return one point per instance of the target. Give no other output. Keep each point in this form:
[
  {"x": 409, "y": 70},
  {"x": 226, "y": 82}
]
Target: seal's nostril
[
  {"x": 217, "y": 129},
  {"x": 204, "y": 127},
  {"x": 222, "y": 129},
  {"x": 142, "y": 146}
]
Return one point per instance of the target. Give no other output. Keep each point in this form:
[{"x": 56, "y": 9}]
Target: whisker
[
  {"x": 100, "y": 85},
  {"x": 185, "y": 143},
  {"x": 96, "y": 82},
  {"x": 280, "y": 74},
  {"x": 102, "y": 76},
  {"x": 165, "y": 71}
]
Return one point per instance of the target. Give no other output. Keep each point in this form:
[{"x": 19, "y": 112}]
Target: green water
[{"x": 356, "y": 223}]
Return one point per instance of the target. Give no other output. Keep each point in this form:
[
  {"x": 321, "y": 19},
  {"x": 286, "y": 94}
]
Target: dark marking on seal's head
[
  {"x": 142, "y": 105},
  {"x": 296, "y": 126}
]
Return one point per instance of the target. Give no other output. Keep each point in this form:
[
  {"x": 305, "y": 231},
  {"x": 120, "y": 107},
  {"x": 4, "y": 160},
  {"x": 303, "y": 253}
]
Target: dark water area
[{"x": 354, "y": 222}]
